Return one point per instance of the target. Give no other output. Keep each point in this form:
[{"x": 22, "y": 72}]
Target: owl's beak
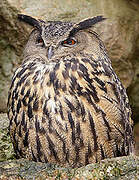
[{"x": 50, "y": 52}]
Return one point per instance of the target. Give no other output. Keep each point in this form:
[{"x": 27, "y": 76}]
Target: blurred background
[{"x": 120, "y": 33}]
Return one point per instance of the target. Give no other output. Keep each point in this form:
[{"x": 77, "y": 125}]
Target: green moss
[{"x": 6, "y": 147}]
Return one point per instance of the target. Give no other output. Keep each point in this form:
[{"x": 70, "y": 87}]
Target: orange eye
[
  {"x": 72, "y": 42},
  {"x": 69, "y": 42},
  {"x": 39, "y": 40}
]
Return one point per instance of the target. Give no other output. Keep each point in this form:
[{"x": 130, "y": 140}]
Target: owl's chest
[{"x": 67, "y": 83}]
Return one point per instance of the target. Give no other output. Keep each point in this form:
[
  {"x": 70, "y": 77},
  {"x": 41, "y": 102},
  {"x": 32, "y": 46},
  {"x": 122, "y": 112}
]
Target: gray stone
[{"x": 12, "y": 39}]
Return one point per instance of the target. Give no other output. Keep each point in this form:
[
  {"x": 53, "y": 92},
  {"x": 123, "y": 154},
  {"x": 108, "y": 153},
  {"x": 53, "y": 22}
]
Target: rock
[
  {"x": 136, "y": 135},
  {"x": 115, "y": 168},
  {"x": 6, "y": 147},
  {"x": 12, "y": 38},
  {"x": 119, "y": 33}
]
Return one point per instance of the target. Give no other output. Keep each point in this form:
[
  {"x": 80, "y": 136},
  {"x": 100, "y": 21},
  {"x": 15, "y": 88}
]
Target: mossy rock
[
  {"x": 116, "y": 168},
  {"x": 6, "y": 147}
]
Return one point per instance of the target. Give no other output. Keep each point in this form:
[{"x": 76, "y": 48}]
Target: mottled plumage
[{"x": 66, "y": 105}]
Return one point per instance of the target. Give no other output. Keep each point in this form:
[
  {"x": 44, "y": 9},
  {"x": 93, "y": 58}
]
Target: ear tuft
[
  {"x": 86, "y": 24},
  {"x": 29, "y": 20}
]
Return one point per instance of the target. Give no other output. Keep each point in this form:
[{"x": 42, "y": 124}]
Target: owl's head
[{"x": 53, "y": 39}]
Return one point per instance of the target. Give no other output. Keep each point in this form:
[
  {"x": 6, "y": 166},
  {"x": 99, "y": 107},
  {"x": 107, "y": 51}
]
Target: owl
[{"x": 66, "y": 105}]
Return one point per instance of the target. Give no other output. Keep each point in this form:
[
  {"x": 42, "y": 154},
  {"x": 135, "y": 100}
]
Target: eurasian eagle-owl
[{"x": 66, "y": 105}]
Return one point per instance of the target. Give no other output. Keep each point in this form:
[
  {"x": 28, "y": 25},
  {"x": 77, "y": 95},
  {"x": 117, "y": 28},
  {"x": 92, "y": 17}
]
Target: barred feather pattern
[{"x": 72, "y": 112}]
